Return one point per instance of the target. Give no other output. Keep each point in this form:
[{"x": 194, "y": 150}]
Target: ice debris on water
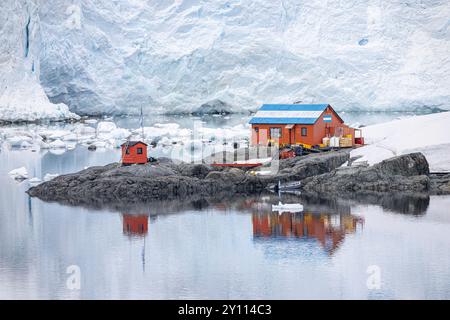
[{"x": 19, "y": 173}]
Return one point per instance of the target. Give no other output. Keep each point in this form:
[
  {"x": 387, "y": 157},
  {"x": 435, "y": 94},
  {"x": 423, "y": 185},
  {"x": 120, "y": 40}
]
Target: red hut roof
[{"x": 133, "y": 143}]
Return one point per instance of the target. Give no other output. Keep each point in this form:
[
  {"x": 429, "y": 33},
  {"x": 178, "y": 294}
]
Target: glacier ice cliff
[
  {"x": 21, "y": 95},
  {"x": 115, "y": 56}
]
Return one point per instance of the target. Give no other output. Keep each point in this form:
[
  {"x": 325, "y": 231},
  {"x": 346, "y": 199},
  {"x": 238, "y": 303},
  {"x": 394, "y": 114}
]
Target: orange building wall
[
  {"x": 315, "y": 132},
  {"x": 133, "y": 157}
]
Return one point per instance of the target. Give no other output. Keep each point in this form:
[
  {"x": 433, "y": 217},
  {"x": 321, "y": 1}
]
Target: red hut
[{"x": 134, "y": 152}]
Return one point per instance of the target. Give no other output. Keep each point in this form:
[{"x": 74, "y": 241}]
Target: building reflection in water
[
  {"x": 135, "y": 224},
  {"x": 328, "y": 229}
]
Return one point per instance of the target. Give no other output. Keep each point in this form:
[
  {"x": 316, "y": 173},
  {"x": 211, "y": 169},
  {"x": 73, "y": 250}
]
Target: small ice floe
[
  {"x": 57, "y": 152},
  {"x": 119, "y": 133},
  {"x": 53, "y": 134},
  {"x": 19, "y": 141},
  {"x": 84, "y": 130},
  {"x": 19, "y": 173},
  {"x": 100, "y": 144},
  {"x": 50, "y": 176},
  {"x": 25, "y": 145},
  {"x": 91, "y": 121},
  {"x": 106, "y": 126},
  {"x": 34, "y": 181},
  {"x": 70, "y": 137},
  {"x": 287, "y": 207},
  {"x": 71, "y": 145},
  {"x": 57, "y": 144}
]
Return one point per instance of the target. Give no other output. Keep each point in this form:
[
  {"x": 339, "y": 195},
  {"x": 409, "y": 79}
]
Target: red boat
[{"x": 237, "y": 165}]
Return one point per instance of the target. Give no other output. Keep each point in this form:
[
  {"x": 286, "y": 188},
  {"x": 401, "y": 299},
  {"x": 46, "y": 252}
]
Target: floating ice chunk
[
  {"x": 71, "y": 145},
  {"x": 91, "y": 121},
  {"x": 53, "y": 134},
  {"x": 70, "y": 137},
  {"x": 100, "y": 144},
  {"x": 118, "y": 133},
  {"x": 84, "y": 130},
  {"x": 57, "y": 152},
  {"x": 106, "y": 126},
  {"x": 19, "y": 173},
  {"x": 34, "y": 181},
  {"x": 44, "y": 145},
  {"x": 16, "y": 142},
  {"x": 50, "y": 176},
  {"x": 57, "y": 144},
  {"x": 25, "y": 145}
]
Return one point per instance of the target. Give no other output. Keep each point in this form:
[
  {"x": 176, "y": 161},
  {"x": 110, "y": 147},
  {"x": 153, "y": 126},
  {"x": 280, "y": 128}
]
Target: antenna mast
[{"x": 142, "y": 124}]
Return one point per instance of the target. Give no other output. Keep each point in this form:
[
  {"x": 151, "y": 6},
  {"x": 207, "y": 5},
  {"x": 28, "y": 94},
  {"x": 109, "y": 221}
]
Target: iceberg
[
  {"x": 22, "y": 98},
  {"x": 19, "y": 173}
]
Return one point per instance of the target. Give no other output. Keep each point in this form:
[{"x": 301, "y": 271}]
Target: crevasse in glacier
[
  {"x": 21, "y": 95},
  {"x": 108, "y": 56}
]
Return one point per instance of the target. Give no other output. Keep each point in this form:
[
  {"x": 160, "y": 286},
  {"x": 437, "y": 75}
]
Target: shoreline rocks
[
  {"x": 407, "y": 173},
  {"x": 164, "y": 180},
  {"x": 167, "y": 179}
]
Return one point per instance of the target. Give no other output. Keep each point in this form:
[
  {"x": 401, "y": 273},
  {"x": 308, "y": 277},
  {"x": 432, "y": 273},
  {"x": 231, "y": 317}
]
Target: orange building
[
  {"x": 135, "y": 224},
  {"x": 134, "y": 152},
  {"x": 290, "y": 124}
]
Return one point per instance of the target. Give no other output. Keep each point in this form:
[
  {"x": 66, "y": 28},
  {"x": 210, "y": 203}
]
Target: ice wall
[
  {"x": 109, "y": 56},
  {"x": 21, "y": 95}
]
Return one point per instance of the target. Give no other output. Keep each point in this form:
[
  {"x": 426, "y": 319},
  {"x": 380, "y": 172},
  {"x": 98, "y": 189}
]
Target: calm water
[{"x": 217, "y": 249}]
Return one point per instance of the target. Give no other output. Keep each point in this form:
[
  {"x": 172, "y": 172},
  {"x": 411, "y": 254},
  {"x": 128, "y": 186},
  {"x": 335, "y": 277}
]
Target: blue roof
[
  {"x": 293, "y": 107},
  {"x": 285, "y": 117},
  {"x": 256, "y": 120}
]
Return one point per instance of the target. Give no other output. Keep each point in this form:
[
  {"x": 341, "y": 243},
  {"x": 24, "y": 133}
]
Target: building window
[
  {"x": 139, "y": 150},
  {"x": 275, "y": 133},
  {"x": 127, "y": 151},
  {"x": 304, "y": 132}
]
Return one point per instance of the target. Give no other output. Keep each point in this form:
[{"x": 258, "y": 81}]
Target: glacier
[
  {"x": 21, "y": 95},
  {"x": 171, "y": 56}
]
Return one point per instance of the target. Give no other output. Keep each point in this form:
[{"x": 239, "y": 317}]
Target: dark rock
[
  {"x": 168, "y": 179},
  {"x": 194, "y": 170},
  {"x": 440, "y": 183},
  {"x": 213, "y": 107},
  {"x": 403, "y": 173}
]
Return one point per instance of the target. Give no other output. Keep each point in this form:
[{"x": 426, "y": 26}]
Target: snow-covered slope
[
  {"x": 108, "y": 56},
  {"x": 21, "y": 95},
  {"x": 429, "y": 134}
]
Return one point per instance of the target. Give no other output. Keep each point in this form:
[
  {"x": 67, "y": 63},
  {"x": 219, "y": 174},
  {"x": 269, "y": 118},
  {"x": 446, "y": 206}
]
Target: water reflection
[
  {"x": 328, "y": 229},
  {"x": 135, "y": 224}
]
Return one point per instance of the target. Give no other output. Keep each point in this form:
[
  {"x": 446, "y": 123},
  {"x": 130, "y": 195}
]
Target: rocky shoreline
[{"x": 167, "y": 179}]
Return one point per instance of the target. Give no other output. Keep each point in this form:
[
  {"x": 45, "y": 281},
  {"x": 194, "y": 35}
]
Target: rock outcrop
[
  {"x": 168, "y": 180},
  {"x": 164, "y": 180},
  {"x": 406, "y": 173}
]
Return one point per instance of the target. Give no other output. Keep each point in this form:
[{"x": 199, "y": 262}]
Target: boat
[
  {"x": 237, "y": 165},
  {"x": 287, "y": 207}
]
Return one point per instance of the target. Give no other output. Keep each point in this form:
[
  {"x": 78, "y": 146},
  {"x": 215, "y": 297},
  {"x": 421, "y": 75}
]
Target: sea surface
[{"x": 393, "y": 247}]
